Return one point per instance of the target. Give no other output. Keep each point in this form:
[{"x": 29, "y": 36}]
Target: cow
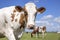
[
  {"x": 38, "y": 30},
  {"x": 11, "y": 21},
  {"x": 31, "y": 11},
  {"x": 42, "y": 30},
  {"x": 35, "y": 31},
  {"x": 14, "y": 19}
]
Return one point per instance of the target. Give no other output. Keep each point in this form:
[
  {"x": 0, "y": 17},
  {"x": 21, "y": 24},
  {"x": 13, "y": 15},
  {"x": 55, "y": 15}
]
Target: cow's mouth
[{"x": 31, "y": 27}]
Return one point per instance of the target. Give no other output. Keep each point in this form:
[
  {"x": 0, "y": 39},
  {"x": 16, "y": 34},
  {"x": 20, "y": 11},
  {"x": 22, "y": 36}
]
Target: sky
[{"x": 50, "y": 18}]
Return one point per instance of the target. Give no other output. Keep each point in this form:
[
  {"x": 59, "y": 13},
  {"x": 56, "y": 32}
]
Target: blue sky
[{"x": 50, "y": 18}]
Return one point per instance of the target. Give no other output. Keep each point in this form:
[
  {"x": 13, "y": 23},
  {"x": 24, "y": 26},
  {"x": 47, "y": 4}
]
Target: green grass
[{"x": 48, "y": 36}]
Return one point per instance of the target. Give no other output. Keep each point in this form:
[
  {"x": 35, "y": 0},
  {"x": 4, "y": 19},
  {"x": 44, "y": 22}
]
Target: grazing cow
[
  {"x": 35, "y": 31},
  {"x": 13, "y": 19},
  {"x": 38, "y": 30},
  {"x": 42, "y": 30}
]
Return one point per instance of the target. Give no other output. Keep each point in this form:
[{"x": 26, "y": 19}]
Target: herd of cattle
[{"x": 14, "y": 19}]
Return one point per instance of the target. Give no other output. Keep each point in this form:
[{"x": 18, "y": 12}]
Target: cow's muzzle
[{"x": 31, "y": 26}]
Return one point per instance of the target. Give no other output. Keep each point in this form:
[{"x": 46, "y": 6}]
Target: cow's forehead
[
  {"x": 30, "y": 4},
  {"x": 30, "y": 7}
]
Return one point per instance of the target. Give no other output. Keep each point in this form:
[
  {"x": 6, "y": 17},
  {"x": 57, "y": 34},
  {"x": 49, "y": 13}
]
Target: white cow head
[{"x": 31, "y": 11}]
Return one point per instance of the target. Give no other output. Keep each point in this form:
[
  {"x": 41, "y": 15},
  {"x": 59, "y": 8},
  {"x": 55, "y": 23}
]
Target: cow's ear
[
  {"x": 41, "y": 9},
  {"x": 18, "y": 8}
]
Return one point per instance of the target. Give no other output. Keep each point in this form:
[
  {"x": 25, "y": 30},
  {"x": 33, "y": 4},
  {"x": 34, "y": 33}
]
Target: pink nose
[{"x": 31, "y": 26}]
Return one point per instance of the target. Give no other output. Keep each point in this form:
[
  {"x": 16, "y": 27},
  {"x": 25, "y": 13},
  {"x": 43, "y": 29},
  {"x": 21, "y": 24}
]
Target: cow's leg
[
  {"x": 32, "y": 34},
  {"x": 17, "y": 36},
  {"x": 18, "y": 33},
  {"x": 42, "y": 34},
  {"x": 9, "y": 34},
  {"x": 36, "y": 34},
  {"x": 21, "y": 33}
]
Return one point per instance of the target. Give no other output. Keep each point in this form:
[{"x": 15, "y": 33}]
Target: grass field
[{"x": 48, "y": 36}]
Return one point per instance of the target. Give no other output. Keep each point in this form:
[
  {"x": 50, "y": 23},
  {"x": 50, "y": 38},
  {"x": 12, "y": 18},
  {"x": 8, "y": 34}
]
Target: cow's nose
[{"x": 31, "y": 26}]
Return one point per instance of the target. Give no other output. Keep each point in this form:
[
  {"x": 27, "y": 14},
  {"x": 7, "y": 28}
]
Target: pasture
[{"x": 48, "y": 36}]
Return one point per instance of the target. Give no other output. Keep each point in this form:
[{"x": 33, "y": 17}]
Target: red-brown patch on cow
[
  {"x": 12, "y": 16},
  {"x": 21, "y": 19},
  {"x": 18, "y": 8},
  {"x": 26, "y": 16},
  {"x": 44, "y": 28},
  {"x": 14, "y": 11}
]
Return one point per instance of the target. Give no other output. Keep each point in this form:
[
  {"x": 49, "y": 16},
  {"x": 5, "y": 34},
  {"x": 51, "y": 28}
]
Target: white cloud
[
  {"x": 47, "y": 17},
  {"x": 44, "y": 23},
  {"x": 57, "y": 19},
  {"x": 48, "y": 22},
  {"x": 51, "y": 22},
  {"x": 41, "y": 21}
]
